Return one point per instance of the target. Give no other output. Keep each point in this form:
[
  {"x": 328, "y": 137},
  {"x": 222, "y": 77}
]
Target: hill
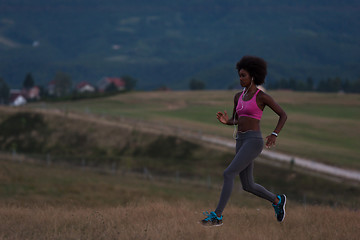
[
  {"x": 169, "y": 42},
  {"x": 148, "y": 132},
  {"x": 313, "y": 118},
  {"x": 93, "y": 169}
]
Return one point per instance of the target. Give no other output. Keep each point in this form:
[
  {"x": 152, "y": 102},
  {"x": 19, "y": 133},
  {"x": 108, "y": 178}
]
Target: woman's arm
[
  {"x": 269, "y": 101},
  {"x": 224, "y": 118}
]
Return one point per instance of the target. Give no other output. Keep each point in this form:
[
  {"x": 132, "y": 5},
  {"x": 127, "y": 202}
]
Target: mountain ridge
[{"x": 170, "y": 42}]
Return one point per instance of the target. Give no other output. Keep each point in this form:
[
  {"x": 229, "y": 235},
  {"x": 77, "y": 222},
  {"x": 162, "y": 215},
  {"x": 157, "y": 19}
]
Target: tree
[
  {"x": 346, "y": 85},
  {"x": 62, "y": 83},
  {"x": 310, "y": 84},
  {"x": 111, "y": 88},
  {"x": 43, "y": 92},
  {"x": 330, "y": 85},
  {"x": 196, "y": 84},
  {"x": 28, "y": 81},
  {"x": 283, "y": 84},
  {"x": 292, "y": 84},
  {"x": 130, "y": 82},
  {"x": 322, "y": 86},
  {"x": 355, "y": 86},
  {"x": 4, "y": 92},
  {"x": 335, "y": 84}
]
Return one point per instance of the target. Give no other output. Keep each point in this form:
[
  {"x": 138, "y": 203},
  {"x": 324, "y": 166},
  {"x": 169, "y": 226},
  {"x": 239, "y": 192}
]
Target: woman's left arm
[{"x": 269, "y": 101}]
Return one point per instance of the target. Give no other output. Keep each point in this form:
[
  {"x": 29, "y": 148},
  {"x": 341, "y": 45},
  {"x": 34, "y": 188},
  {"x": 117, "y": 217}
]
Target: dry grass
[
  {"x": 42, "y": 202},
  {"x": 163, "y": 220}
]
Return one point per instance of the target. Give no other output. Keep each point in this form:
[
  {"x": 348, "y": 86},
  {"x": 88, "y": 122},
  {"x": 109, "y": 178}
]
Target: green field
[
  {"x": 29, "y": 182},
  {"x": 321, "y": 126},
  {"x": 65, "y": 199}
]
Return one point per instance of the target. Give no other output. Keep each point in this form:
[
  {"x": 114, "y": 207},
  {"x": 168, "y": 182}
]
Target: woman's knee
[
  {"x": 248, "y": 187},
  {"x": 228, "y": 174}
]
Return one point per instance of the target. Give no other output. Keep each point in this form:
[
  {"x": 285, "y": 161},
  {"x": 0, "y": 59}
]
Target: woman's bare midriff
[{"x": 248, "y": 124}]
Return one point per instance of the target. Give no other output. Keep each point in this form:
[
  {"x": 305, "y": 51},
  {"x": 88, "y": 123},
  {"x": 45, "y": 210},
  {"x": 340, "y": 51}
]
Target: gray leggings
[{"x": 248, "y": 146}]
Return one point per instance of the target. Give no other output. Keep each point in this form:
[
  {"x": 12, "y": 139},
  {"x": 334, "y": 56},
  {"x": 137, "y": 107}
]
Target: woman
[{"x": 248, "y": 108}]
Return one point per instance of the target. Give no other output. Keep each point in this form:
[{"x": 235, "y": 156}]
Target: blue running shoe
[
  {"x": 212, "y": 219},
  {"x": 280, "y": 208}
]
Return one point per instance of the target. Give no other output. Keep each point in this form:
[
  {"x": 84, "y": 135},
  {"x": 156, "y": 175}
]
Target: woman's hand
[
  {"x": 270, "y": 141},
  {"x": 222, "y": 117}
]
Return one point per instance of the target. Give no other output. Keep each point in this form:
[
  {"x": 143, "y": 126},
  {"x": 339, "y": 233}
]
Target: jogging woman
[{"x": 248, "y": 109}]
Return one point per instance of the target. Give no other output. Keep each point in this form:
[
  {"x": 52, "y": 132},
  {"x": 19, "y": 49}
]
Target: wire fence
[{"x": 113, "y": 166}]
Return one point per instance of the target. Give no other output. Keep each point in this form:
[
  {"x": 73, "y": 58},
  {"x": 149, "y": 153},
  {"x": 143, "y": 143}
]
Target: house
[
  {"x": 32, "y": 93},
  {"x": 105, "y": 82},
  {"x": 17, "y": 97},
  {"x": 51, "y": 87},
  {"x": 84, "y": 86}
]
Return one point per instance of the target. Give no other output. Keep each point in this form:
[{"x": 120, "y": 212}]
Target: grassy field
[
  {"x": 38, "y": 201},
  {"x": 65, "y": 200},
  {"x": 96, "y": 142},
  {"x": 178, "y": 220},
  {"x": 320, "y": 126}
]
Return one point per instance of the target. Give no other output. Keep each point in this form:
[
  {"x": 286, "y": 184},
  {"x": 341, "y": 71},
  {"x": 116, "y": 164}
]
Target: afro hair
[{"x": 255, "y": 66}]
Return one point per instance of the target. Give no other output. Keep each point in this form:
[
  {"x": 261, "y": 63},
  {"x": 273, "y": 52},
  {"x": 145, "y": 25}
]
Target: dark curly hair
[{"x": 256, "y": 67}]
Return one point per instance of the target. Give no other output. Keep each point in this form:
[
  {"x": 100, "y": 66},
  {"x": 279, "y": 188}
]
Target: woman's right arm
[{"x": 224, "y": 118}]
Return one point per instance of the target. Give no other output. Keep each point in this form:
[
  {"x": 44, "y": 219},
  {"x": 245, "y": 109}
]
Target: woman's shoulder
[
  {"x": 237, "y": 96},
  {"x": 260, "y": 92},
  {"x": 263, "y": 96}
]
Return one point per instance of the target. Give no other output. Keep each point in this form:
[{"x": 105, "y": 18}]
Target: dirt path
[
  {"x": 306, "y": 164},
  {"x": 296, "y": 161}
]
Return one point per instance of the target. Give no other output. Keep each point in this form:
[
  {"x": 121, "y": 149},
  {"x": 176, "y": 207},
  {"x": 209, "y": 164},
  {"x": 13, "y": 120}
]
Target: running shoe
[
  {"x": 280, "y": 208},
  {"x": 212, "y": 219}
]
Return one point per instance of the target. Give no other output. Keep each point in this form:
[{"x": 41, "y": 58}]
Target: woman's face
[{"x": 245, "y": 79}]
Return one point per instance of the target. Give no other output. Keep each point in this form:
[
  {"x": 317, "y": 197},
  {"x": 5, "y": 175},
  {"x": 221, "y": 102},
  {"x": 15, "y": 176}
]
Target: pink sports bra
[{"x": 249, "y": 108}]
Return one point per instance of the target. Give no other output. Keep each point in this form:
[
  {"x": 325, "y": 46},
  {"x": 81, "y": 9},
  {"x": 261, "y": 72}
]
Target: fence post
[
  {"x": 113, "y": 167},
  {"x": 66, "y": 111},
  {"x": 177, "y": 176},
  {"x": 83, "y": 163},
  {"x": 209, "y": 181},
  {"x": 13, "y": 154},
  {"x": 292, "y": 163},
  {"x": 147, "y": 174},
  {"x": 48, "y": 159}
]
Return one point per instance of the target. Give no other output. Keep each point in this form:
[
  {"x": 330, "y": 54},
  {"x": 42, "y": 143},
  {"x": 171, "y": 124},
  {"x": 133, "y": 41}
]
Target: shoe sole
[
  {"x": 211, "y": 225},
  {"x": 284, "y": 208}
]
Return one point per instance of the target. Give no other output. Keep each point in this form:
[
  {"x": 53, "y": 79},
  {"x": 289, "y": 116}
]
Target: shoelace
[
  {"x": 277, "y": 209},
  {"x": 210, "y": 216}
]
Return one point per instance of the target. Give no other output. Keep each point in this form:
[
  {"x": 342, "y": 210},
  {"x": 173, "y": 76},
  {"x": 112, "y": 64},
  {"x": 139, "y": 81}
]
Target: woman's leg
[
  {"x": 248, "y": 151},
  {"x": 247, "y": 181}
]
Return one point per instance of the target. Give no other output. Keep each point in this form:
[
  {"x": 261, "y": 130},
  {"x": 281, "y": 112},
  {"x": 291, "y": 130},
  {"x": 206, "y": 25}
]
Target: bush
[
  {"x": 196, "y": 84},
  {"x": 25, "y": 132}
]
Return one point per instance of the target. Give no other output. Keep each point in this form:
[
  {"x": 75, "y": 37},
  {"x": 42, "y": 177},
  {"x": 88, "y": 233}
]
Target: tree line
[
  {"x": 63, "y": 88},
  {"x": 326, "y": 85}
]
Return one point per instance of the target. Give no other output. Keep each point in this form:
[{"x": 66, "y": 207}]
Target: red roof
[
  {"x": 117, "y": 81},
  {"x": 82, "y": 84}
]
